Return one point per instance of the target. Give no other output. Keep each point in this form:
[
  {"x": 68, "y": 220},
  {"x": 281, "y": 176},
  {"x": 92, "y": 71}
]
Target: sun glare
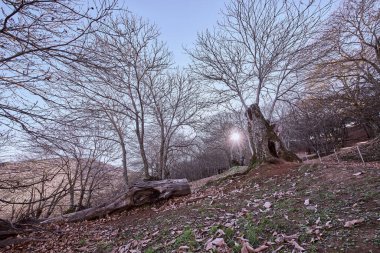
[{"x": 235, "y": 136}]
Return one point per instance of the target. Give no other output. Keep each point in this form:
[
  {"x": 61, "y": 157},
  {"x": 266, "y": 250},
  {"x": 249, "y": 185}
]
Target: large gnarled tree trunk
[
  {"x": 138, "y": 194},
  {"x": 267, "y": 146}
]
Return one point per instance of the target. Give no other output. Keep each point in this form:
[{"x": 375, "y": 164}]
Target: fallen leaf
[
  {"x": 312, "y": 208},
  {"x": 216, "y": 243},
  {"x": 261, "y": 248},
  {"x": 351, "y": 223},
  {"x": 278, "y": 249},
  {"x": 282, "y": 237},
  {"x": 219, "y": 232},
  {"x": 296, "y": 245},
  {"x": 229, "y": 225},
  {"x": 183, "y": 248},
  {"x": 246, "y": 248},
  {"x": 267, "y": 205},
  {"x": 290, "y": 237}
]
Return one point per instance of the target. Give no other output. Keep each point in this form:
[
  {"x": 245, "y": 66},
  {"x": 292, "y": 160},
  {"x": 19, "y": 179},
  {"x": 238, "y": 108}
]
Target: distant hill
[{"x": 32, "y": 180}]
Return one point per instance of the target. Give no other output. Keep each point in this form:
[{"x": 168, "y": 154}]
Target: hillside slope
[{"x": 273, "y": 208}]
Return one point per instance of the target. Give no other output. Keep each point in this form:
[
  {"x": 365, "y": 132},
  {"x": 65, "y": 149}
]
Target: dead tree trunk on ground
[
  {"x": 138, "y": 194},
  {"x": 267, "y": 145},
  {"x": 7, "y": 230}
]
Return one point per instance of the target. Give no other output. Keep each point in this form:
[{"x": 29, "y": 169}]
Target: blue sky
[{"x": 178, "y": 20}]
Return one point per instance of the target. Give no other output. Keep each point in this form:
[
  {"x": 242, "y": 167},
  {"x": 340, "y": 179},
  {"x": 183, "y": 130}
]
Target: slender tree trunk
[
  {"x": 72, "y": 195},
  {"x": 161, "y": 153},
  {"x": 83, "y": 183},
  {"x": 88, "y": 199},
  {"x": 80, "y": 201},
  {"x": 143, "y": 156},
  {"x": 140, "y": 138},
  {"x": 123, "y": 149},
  {"x": 124, "y": 161},
  {"x": 165, "y": 161}
]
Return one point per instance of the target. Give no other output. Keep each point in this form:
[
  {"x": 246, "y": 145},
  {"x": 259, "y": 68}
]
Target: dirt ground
[{"x": 285, "y": 207}]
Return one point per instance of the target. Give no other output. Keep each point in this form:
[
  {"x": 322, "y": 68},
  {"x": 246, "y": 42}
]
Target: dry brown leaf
[
  {"x": 351, "y": 223},
  {"x": 261, "y": 248},
  {"x": 312, "y": 208},
  {"x": 328, "y": 224},
  {"x": 183, "y": 248},
  {"x": 290, "y": 237},
  {"x": 217, "y": 243},
  {"x": 296, "y": 245},
  {"x": 267, "y": 205},
  {"x": 247, "y": 248},
  {"x": 219, "y": 232},
  {"x": 278, "y": 249}
]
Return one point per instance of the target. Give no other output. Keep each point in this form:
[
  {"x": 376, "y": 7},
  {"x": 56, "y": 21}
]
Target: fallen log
[
  {"x": 138, "y": 194},
  {"x": 7, "y": 229}
]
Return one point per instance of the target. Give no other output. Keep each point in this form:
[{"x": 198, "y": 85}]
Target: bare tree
[
  {"x": 37, "y": 39},
  {"x": 176, "y": 103},
  {"x": 259, "y": 52},
  {"x": 82, "y": 156},
  {"x": 30, "y": 189},
  {"x": 350, "y": 69},
  {"x": 312, "y": 125},
  {"x": 354, "y": 37},
  {"x": 114, "y": 87}
]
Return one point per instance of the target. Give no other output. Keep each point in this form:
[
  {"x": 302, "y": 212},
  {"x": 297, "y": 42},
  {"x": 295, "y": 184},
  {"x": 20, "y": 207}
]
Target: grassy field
[{"x": 272, "y": 208}]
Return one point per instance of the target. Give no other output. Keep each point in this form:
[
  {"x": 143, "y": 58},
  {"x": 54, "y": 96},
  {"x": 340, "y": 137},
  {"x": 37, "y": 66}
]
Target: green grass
[
  {"x": 286, "y": 204},
  {"x": 149, "y": 250},
  {"x": 82, "y": 242},
  {"x": 236, "y": 248},
  {"x": 213, "y": 229},
  {"x": 187, "y": 238},
  {"x": 103, "y": 247},
  {"x": 251, "y": 231},
  {"x": 252, "y": 234}
]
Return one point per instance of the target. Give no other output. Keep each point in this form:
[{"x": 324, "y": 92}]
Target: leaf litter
[{"x": 228, "y": 217}]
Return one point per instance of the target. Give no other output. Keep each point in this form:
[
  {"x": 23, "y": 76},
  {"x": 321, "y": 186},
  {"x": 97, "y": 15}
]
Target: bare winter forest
[{"x": 267, "y": 140}]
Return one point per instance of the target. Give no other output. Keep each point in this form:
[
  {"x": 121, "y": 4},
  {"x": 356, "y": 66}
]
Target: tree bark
[
  {"x": 7, "y": 230},
  {"x": 266, "y": 143},
  {"x": 140, "y": 193}
]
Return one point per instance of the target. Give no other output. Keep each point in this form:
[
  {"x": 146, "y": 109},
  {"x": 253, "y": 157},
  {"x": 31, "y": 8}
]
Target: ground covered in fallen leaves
[{"x": 311, "y": 207}]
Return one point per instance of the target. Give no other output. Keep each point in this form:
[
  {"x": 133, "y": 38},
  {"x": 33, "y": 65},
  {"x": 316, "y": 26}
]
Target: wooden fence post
[
  {"x": 320, "y": 160},
  {"x": 336, "y": 155},
  {"x": 360, "y": 154}
]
